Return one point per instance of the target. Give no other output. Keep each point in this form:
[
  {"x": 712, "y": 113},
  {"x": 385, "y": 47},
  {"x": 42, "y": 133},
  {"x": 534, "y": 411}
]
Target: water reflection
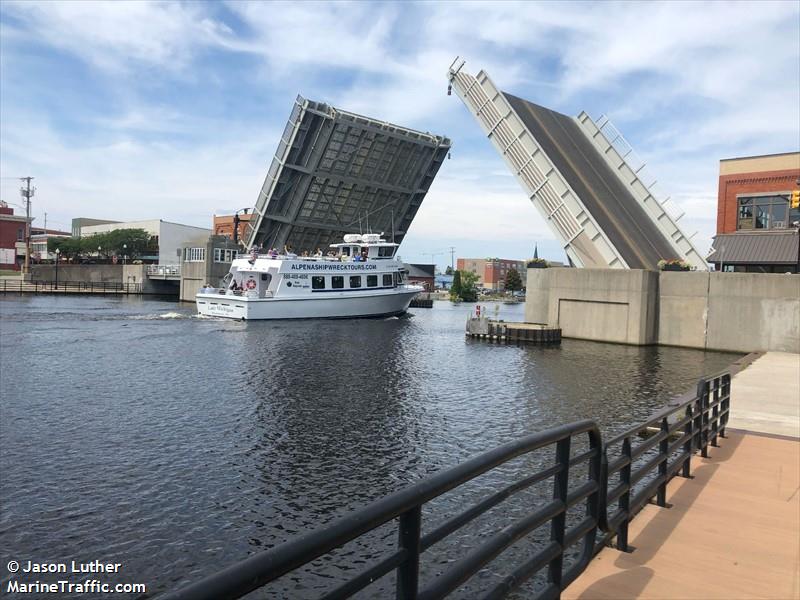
[{"x": 137, "y": 433}]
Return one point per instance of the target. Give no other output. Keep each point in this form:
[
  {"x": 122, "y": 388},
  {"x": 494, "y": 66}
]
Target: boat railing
[{"x": 342, "y": 258}]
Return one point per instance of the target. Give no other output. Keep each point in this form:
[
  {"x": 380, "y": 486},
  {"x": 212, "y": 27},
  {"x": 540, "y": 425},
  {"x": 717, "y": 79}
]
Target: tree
[
  {"x": 122, "y": 242},
  {"x": 448, "y": 271},
  {"x": 469, "y": 289},
  {"x": 130, "y": 242},
  {"x": 513, "y": 281},
  {"x": 455, "y": 287},
  {"x": 69, "y": 247}
]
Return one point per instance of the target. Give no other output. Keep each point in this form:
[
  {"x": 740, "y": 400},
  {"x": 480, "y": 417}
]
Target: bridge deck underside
[
  {"x": 345, "y": 174},
  {"x": 638, "y": 240}
]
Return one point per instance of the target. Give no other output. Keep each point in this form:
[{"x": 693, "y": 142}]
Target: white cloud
[
  {"x": 118, "y": 36},
  {"x": 688, "y": 83}
]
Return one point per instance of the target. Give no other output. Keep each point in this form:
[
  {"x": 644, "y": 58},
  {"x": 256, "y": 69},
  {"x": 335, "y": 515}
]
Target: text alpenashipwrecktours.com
[{"x": 25, "y": 578}]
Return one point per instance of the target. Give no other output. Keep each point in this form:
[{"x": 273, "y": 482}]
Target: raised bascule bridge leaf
[
  {"x": 336, "y": 172},
  {"x": 582, "y": 178}
]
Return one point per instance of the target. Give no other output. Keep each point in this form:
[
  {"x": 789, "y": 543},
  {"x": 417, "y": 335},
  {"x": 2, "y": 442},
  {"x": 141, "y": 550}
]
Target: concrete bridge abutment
[{"x": 738, "y": 312}]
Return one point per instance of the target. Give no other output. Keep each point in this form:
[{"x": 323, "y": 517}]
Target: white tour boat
[{"x": 360, "y": 278}]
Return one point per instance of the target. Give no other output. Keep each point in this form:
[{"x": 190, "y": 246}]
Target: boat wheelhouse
[{"x": 359, "y": 277}]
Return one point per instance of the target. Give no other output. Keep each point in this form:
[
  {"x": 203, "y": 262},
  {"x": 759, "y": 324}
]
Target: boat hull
[{"x": 317, "y": 306}]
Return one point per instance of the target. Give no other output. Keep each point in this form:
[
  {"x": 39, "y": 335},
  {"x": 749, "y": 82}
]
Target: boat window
[
  {"x": 346, "y": 250},
  {"x": 355, "y": 281},
  {"x": 398, "y": 279},
  {"x": 318, "y": 282},
  {"x": 265, "y": 277},
  {"x": 372, "y": 281},
  {"x": 337, "y": 282},
  {"x": 387, "y": 280},
  {"x": 386, "y": 251}
]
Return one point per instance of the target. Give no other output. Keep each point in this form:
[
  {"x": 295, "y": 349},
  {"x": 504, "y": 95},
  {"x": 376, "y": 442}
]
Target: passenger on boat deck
[
  {"x": 273, "y": 252},
  {"x": 356, "y": 258},
  {"x": 318, "y": 253},
  {"x": 287, "y": 250},
  {"x": 363, "y": 256},
  {"x": 305, "y": 253}
]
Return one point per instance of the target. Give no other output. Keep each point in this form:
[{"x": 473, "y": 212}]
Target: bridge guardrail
[
  {"x": 164, "y": 270},
  {"x": 643, "y": 469}
]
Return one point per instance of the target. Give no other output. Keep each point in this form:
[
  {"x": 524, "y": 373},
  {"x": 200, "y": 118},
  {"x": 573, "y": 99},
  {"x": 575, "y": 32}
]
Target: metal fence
[
  {"x": 76, "y": 287},
  {"x": 668, "y": 440},
  {"x": 648, "y": 455}
]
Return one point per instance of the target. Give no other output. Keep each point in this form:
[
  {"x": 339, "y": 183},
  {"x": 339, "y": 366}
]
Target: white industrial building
[{"x": 171, "y": 237}]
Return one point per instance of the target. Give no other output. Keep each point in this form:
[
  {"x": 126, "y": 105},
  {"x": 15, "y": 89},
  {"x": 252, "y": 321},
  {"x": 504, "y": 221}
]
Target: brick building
[
  {"x": 757, "y": 228},
  {"x": 223, "y": 225},
  {"x": 423, "y": 275},
  {"x": 12, "y": 238},
  {"x": 492, "y": 272}
]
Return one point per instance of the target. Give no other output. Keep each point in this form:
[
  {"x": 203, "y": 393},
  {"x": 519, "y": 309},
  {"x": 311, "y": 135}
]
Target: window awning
[{"x": 762, "y": 248}]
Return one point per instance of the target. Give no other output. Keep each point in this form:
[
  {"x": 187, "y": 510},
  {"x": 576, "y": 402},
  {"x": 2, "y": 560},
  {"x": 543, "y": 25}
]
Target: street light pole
[
  {"x": 58, "y": 253},
  {"x": 124, "y": 254}
]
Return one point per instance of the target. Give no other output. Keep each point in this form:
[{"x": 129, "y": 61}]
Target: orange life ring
[{"x": 250, "y": 284}]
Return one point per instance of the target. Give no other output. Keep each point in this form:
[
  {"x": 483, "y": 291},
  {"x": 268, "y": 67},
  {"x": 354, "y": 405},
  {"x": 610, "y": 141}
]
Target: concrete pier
[
  {"x": 733, "y": 529},
  {"x": 765, "y": 397}
]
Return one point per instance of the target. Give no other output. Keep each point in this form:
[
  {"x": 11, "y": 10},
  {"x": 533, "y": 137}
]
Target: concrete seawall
[
  {"x": 739, "y": 312},
  {"x": 121, "y": 274}
]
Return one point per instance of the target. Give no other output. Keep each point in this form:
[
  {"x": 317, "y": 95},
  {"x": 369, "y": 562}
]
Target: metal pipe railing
[
  {"x": 256, "y": 571},
  {"x": 643, "y": 461}
]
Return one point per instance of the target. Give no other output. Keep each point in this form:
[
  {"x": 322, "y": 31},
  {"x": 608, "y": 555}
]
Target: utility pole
[
  {"x": 27, "y": 192},
  {"x": 452, "y": 254},
  {"x": 432, "y": 255}
]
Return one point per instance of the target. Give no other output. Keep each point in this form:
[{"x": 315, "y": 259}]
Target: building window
[
  {"x": 372, "y": 281},
  {"x": 337, "y": 282},
  {"x": 387, "y": 280},
  {"x": 20, "y": 234},
  {"x": 355, "y": 281},
  {"x": 763, "y": 212},
  {"x": 194, "y": 254},
  {"x": 224, "y": 255},
  {"x": 318, "y": 282}
]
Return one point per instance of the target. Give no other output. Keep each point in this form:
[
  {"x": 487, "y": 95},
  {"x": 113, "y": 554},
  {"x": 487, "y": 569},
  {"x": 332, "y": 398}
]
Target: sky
[{"x": 140, "y": 110}]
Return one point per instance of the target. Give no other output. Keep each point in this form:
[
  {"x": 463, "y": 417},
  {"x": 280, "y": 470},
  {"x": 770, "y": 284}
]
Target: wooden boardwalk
[{"x": 733, "y": 531}]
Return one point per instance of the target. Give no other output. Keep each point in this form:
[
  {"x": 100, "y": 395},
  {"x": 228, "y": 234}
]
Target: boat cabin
[
  {"x": 270, "y": 275},
  {"x": 368, "y": 245}
]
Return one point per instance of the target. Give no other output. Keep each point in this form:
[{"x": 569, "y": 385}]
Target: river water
[{"x": 132, "y": 431}]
